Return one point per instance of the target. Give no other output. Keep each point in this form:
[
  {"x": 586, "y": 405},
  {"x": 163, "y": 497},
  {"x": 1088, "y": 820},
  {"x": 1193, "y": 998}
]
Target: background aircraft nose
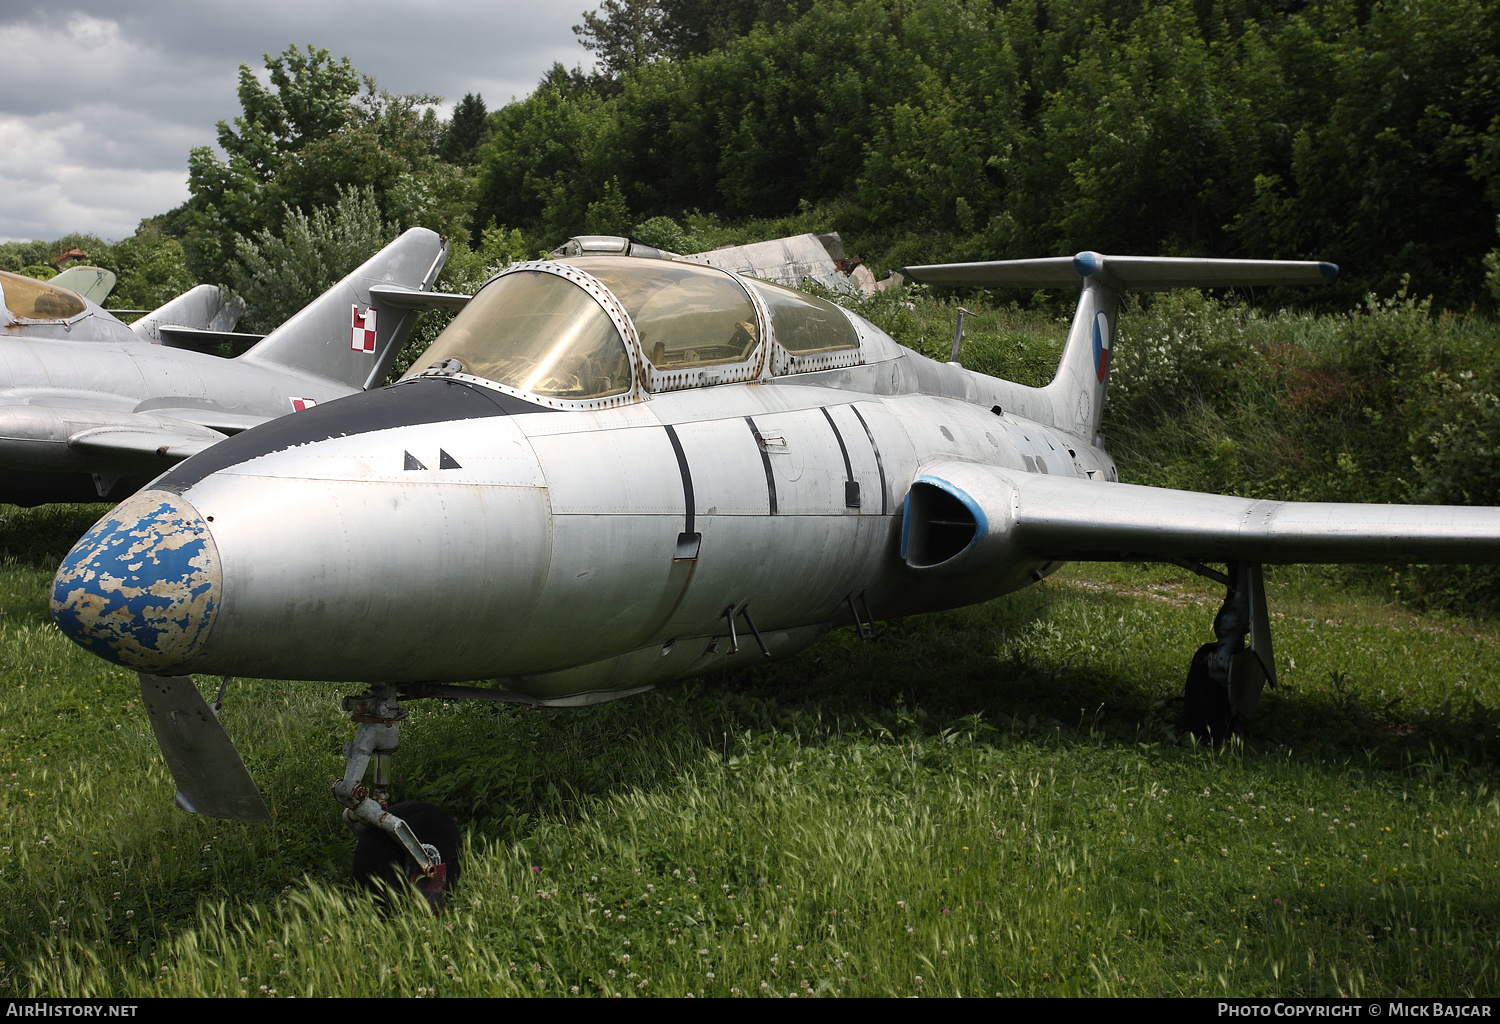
[{"x": 142, "y": 588}]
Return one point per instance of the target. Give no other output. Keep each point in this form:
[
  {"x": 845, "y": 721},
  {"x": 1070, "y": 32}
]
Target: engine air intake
[{"x": 936, "y": 526}]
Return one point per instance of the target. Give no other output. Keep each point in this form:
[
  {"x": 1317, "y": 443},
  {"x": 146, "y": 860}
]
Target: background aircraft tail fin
[
  {"x": 93, "y": 283},
  {"x": 202, "y": 308},
  {"x": 1078, "y": 390},
  {"x": 346, "y": 335}
]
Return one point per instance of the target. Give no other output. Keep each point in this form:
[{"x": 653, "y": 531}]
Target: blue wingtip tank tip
[{"x": 1329, "y": 270}]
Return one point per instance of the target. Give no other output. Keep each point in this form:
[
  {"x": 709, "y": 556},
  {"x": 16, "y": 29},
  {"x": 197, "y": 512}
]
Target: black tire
[
  {"x": 1205, "y": 703},
  {"x": 382, "y": 865}
]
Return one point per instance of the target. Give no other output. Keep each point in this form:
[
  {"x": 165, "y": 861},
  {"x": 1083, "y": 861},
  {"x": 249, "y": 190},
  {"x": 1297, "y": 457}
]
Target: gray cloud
[{"x": 101, "y": 101}]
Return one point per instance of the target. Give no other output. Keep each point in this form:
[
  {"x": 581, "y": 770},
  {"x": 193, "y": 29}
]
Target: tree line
[
  {"x": 1365, "y": 132},
  {"x": 1360, "y": 132}
]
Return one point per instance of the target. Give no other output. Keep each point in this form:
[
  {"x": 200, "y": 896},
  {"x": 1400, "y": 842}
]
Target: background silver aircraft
[
  {"x": 612, "y": 471},
  {"x": 91, "y": 408}
]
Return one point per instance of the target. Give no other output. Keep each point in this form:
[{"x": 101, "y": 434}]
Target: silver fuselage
[
  {"x": 501, "y": 539},
  {"x": 590, "y": 489}
]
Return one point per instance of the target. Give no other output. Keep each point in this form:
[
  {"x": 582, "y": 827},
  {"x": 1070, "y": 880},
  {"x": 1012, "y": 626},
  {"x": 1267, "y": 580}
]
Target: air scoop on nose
[{"x": 142, "y": 588}]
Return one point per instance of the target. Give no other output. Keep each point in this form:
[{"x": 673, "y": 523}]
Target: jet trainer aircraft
[
  {"x": 613, "y": 471},
  {"x": 91, "y": 408}
]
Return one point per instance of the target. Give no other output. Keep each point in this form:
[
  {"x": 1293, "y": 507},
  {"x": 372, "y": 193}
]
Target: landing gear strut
[
  {"x": 1226, "y": 677},
  {"x": 389, "y": 848}
]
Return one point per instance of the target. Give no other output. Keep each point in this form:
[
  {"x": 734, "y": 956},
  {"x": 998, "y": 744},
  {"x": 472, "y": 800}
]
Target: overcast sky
[{"x": 101, "y": 101}]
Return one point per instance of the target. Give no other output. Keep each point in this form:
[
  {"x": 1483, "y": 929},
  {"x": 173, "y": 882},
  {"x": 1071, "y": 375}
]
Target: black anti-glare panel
[{"x": 421, "y": 400}]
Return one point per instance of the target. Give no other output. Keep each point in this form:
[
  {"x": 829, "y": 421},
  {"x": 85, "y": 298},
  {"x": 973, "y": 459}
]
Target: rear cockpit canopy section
[
  {"x": 29, "y": 299},
  {"x": 697, "y": 325},
  {"x": 810, "y": 333}
]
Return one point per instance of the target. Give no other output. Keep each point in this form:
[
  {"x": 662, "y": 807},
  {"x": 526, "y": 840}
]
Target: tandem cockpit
[{"x": 601, "y": 331}]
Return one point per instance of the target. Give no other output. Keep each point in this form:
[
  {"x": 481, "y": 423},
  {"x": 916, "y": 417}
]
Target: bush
[{"x": 278, "y": 276}]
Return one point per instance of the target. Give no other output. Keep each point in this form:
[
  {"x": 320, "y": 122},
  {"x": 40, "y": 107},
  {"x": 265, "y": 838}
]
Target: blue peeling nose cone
[{"x": 142, "y": 588}]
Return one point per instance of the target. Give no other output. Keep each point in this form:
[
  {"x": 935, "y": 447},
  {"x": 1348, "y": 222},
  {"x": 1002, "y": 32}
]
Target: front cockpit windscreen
[
  {"x": 686, "y": 314},
  {"x": 30, "y": 299},
  {"x": 536, "y": 332}
]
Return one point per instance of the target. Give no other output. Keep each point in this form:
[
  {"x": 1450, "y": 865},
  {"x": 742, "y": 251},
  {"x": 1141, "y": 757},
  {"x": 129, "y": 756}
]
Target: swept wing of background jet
[
  {"x": 91, "y": 408},
  {"x": 612, "y": 471}
]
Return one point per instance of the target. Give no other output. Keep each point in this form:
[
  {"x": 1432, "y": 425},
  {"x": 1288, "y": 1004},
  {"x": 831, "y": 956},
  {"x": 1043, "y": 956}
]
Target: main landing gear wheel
[
  {"x": 1225, "y": 678},
  {"x": 382, "y": 864},
  {"x": 1205, "y": 699}
]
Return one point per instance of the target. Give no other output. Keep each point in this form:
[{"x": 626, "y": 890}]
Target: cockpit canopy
[
  {"x": 537, "y": 332},
  {"x": 686, "y": 314},
  {"x": 550, "y": 331},
  {"x": 30, "y": 299}
]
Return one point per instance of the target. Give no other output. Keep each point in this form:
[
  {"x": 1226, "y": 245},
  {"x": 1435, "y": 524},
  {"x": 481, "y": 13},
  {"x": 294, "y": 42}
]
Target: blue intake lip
[{"x": 143, "y": 587}]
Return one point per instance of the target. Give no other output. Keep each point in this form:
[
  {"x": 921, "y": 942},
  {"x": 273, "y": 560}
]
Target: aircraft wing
[
  {"x": 59, "y": 439},
  {"x": 1006, "y": 515},
  {"x": 171, "y": 443}
]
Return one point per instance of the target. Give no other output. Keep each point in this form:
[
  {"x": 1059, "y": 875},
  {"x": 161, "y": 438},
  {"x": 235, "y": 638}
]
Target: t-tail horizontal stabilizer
[
  {"x": 1077, "y": 393},
  {"x": 1127, "y": 273},
  {"x": 347, "y": 334}
]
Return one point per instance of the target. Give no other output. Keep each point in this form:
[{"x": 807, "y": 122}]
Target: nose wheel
[
  {"x": 381, "y": 863},
  {"x": 411, "y": 842}
]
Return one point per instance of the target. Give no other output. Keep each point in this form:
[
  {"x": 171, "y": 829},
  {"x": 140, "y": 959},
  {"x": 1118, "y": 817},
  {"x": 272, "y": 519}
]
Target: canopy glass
[{"x": 536, "y": 332}]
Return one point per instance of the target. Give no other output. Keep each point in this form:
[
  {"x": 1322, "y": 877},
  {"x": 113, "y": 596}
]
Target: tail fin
[
  {"x": 343, "y": 334},
  {"x": 202, "y": 308},
  {"x": 93, "y": 283},
  {"x": 1077, "y": 392}
]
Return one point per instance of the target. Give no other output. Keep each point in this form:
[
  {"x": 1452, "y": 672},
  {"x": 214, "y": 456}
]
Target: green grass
[{"x": 988, "y": 800}]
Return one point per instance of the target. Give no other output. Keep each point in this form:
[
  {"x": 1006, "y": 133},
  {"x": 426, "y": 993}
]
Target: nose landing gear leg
[{"x": 389, "y": 848}]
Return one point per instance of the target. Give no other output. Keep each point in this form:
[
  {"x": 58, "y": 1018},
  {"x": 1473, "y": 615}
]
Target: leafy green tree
[
  {"x": 279, "y": 274},
  {"x": 150, "y": 267},
  {"x": 441, "y": 199},
  {"x": 623, "y": 34},
  {"x": 609, "y": 214},
  {"x": 692, "y": 27},
  {"x": 1492, "y": 269},
  {"x": 464, "y": 131},
  {"x": 1390, "y": 170},
  {"x": 17, "y": 256},
  {"x": 317, "y": 131},
  {"x": 1363, "y": 133},
  {"x": 662, "y": 233},
  {"x": 309, "y": 100},
  {"x": 537, "y": 169}
]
